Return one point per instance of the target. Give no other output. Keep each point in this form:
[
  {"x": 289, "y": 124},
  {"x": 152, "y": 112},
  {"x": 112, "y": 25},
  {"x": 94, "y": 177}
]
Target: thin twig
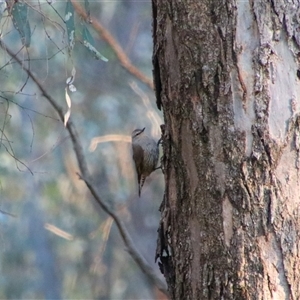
[
  {"x": 121, "y": 55},
  {"x": 7, "y": 213},
  {"x": 141, "y": 262}
]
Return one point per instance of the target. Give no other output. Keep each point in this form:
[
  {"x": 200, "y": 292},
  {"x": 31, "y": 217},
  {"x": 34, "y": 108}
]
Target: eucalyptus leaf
[
  {"x": 20, "y": 20},
  {"x": 70, "y": 24},
  {"x": 89, "y": 43}
]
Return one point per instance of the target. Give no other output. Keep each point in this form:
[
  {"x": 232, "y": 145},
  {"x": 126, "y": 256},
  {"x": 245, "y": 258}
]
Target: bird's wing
[{"x": 138, "y": 157}]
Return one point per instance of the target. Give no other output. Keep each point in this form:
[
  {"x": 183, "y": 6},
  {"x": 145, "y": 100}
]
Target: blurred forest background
[{"x": 55, "y": 242}]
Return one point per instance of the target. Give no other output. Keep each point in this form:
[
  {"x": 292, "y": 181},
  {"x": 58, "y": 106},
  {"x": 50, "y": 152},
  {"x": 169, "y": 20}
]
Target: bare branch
[
  {"x": 141, "y": 262},
  {"x": 7, "y": 213},
  {"x": 10, "y": 151},
  {"x": 121, "y": 55}
]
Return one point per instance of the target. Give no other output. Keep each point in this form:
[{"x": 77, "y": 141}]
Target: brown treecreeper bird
[{"x": 145, "y": 155}]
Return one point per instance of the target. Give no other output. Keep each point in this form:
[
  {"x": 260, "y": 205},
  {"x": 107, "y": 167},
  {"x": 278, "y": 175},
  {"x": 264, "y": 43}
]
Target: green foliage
[
  {"x": 20, "y": 20},
  {"x": 70, "y": 24},
  {"x": 89, "y": 43},
  {"x": 87, "y": 39}
]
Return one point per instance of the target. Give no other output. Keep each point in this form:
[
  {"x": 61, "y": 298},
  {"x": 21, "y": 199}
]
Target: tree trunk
[{"x": 226, "y": 78}]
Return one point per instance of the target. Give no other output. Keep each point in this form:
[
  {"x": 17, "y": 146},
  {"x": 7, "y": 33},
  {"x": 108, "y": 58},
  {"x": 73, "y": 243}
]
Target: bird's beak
[{"x": 143, "y": 129}]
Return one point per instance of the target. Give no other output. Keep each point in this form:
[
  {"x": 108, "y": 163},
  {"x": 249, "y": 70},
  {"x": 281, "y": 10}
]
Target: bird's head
[{"x": 137, "y": 132}]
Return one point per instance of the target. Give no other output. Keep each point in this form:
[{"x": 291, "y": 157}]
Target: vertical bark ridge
[{"x": 229, "y": 218}]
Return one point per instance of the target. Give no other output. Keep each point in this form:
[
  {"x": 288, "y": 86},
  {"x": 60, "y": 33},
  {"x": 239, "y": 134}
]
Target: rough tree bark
[{"x": 226, "y": 76}]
